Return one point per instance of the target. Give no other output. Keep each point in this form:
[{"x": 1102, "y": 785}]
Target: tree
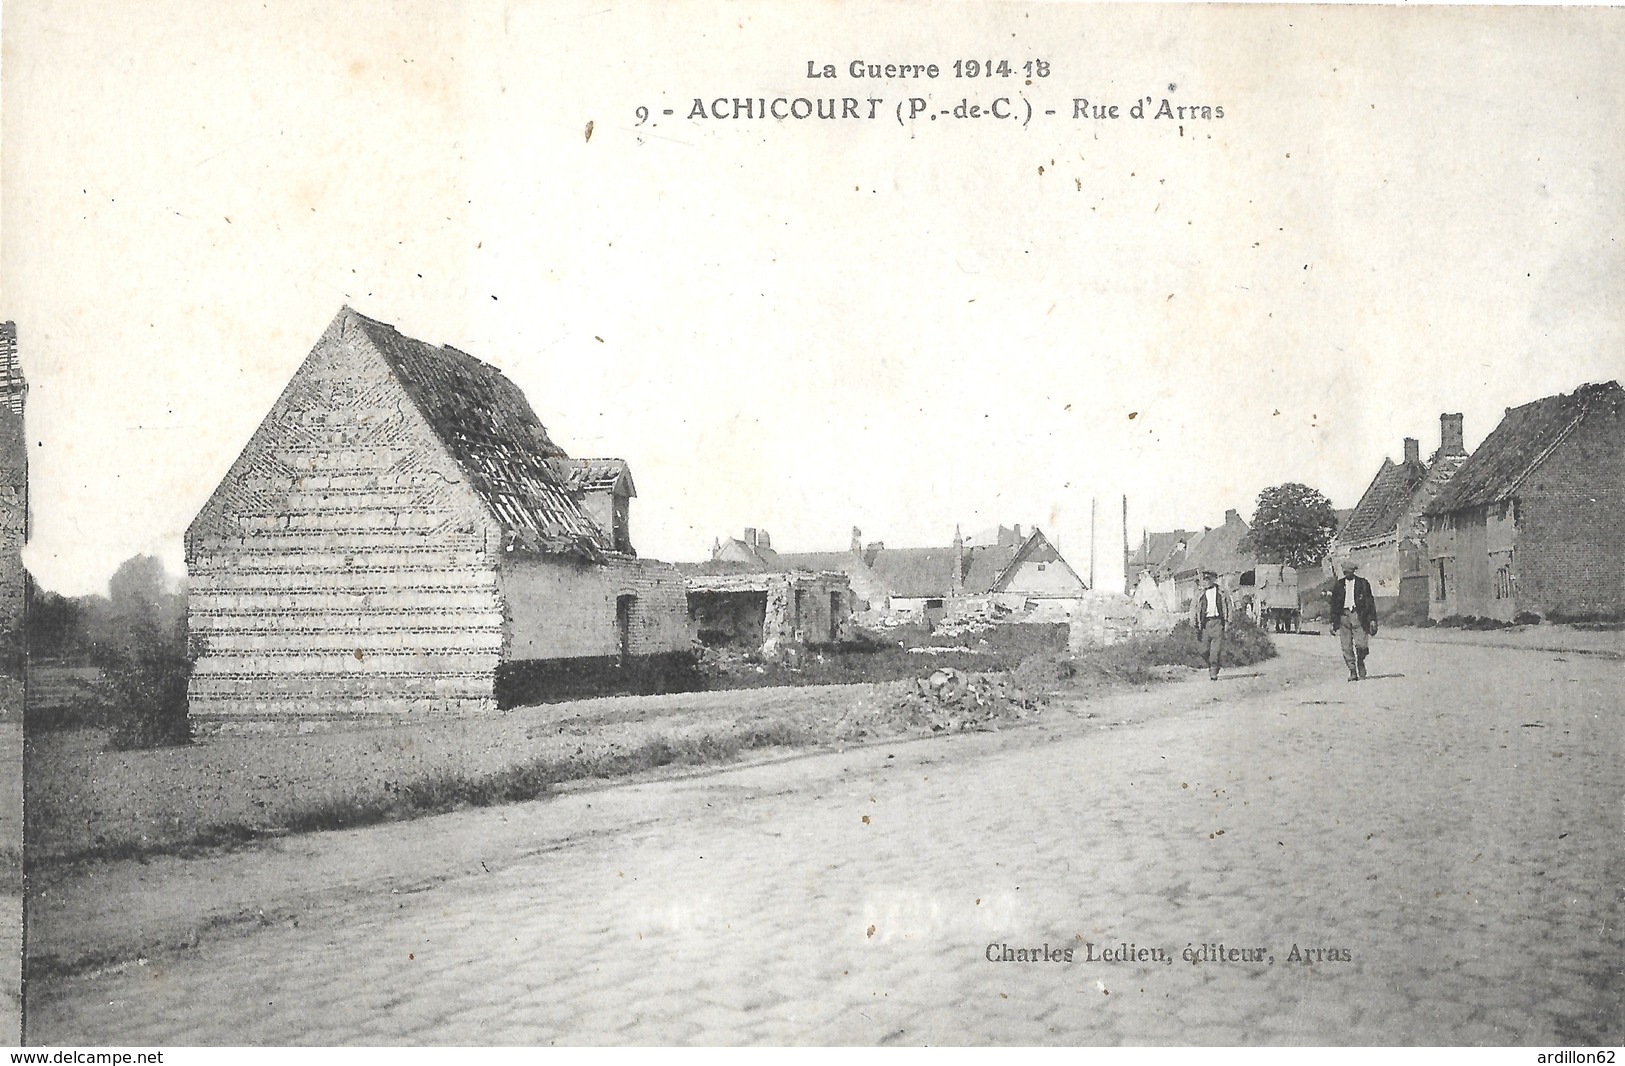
[
  {"x": 1293, "y": 524},
  {"x": 140, "y": 647}
]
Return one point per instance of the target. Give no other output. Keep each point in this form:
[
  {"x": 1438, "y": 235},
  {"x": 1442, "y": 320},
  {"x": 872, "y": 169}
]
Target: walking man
[
  {"x": 1210, "y": 614},
  {"x": 1354, "y": 619}
]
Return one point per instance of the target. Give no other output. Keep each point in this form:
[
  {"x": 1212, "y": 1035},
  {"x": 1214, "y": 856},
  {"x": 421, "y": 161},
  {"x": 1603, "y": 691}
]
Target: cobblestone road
[{"x": 1453, "y": 825}]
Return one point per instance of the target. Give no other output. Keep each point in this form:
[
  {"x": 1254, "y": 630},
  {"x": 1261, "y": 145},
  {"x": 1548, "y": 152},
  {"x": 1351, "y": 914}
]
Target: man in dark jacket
[
  {"x": 1354, "y": 618},
  {"x": 1210, "y": 615}
]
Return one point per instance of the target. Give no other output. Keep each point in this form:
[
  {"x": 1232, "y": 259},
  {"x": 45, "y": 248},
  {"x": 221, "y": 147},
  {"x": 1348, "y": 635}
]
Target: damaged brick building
[{"x": 402, "y": 536}]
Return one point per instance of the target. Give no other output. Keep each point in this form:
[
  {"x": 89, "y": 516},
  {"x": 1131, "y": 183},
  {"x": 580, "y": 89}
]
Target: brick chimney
[
  {"x": 956, "y": 583},
  {"x": 763, "y": 540},
  {"x": 1450, "y": 440},
  {"x": 750, "y": 538},
  {"x": 857, "y": 541},
  {"x": 1018, "y": 532},
  {"x": 1231, "y": 515},
  {"x": 872, "y": 549},
  {"x": 1413, "y": 450}
]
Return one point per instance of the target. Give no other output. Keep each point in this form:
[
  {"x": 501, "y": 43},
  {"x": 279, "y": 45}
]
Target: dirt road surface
[{"x": 1432, "y": 856}]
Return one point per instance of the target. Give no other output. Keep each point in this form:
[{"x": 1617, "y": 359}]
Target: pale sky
[{"x": 804, "y": 325}]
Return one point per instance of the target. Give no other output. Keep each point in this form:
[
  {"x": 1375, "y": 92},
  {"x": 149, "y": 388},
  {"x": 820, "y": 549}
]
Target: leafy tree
[
  {"x": 1293, "y": 524},
  {"x": 54, "y": 624}
]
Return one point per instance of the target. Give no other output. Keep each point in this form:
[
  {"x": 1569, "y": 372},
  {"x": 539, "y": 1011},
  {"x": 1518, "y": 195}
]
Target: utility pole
[
  {"x": 1091, "y": 544},
  {"x": 1126, "y": 590}
]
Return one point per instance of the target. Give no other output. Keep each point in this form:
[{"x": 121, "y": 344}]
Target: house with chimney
[
  {"x": 1156, "y": 558},
  {"x": 1386, "y": 533},
  {"x": 1534, "y": 520},
  {"x": 401, "y": 536},
  {"x": 1176, "y": 558}
]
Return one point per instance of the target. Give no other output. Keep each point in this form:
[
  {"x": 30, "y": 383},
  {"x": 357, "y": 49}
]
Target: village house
[
  {"x": 401, "y": 536},
  {"x": 1176, "y": 559},
  {"x": 1156, "y": 558},
  {"x": 1534, "y": 520},
  {"x": 1217, "y": 548},
  {"x": 1386, "y": 534}
]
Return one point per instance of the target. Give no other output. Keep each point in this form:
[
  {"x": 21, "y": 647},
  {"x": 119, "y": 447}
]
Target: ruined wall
[
  {"x": 13, "y": 519},
  {"x": 735, "y": 618},
  {"x": 342, "y": 567},
  {"x": 559, "y": 609},
  {"x": 1379, "y": 564}
]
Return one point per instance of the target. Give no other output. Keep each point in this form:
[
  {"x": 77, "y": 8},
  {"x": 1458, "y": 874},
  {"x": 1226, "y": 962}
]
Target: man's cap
[{"x": 1350, "y": 564}]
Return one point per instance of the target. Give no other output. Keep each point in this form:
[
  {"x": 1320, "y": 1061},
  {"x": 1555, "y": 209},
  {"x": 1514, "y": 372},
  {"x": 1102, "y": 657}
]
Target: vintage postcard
[{"x": 774, "y": 523}]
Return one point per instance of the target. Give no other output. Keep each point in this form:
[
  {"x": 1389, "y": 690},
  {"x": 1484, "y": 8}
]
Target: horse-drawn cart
[{"x": 1279, "y": 609}]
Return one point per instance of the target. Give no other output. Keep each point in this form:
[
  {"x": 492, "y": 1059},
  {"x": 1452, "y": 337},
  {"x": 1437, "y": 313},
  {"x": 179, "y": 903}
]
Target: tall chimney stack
[
  {"x": 857, "y": 541},
  {"x": 750, "y": 538},
  {"x": 1413, "y": 450},
  {"x": 1450, "y": 439},
  {"x": 956, "y": 583}
]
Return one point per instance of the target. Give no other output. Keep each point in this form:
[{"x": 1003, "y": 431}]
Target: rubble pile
[
  {"x": 948, "y": 701},
  {"x": 978, "y": 621}
]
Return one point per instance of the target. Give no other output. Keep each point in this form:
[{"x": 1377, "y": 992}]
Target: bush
[
  {"x": 1044, "y": 673},
  {"x": 1600, "y": 618},
  {"x": 1244, "y": 645},
  {"x": 144, "y": 682},
  {"x": 1474, "y": 622},
  {"x": 1526, "y": 618}
]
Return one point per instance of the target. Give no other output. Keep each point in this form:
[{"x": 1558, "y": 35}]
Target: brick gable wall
[
  {"x": 343, "y": 567},
  {"x": 1571, "y": 517}
]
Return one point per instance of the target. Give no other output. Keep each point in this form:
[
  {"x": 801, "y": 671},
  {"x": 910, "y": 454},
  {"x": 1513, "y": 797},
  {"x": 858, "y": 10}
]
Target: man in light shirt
[
  {"x": 1354, "y": 619},
  {"x": 1210, "y": 614}
]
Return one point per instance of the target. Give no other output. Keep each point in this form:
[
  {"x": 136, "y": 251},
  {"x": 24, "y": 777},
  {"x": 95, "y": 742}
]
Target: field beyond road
[{"x": 1432, "y": 856}]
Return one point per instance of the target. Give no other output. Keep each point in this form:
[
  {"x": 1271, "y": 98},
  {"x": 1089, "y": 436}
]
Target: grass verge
[{"x": 443, "y": 792}]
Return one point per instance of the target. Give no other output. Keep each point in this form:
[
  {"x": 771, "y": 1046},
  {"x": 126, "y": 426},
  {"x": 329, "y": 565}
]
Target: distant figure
[
  {"x": 1210, "y": 614},
  {"x": 1354, "y": 619}
]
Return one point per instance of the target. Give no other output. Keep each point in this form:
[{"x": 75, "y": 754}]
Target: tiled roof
[
  {"x": 1385, "y": 502},
  {"x": 1523, "y": 439},
  {"x": 490, "y": 430},
  {"x": 985, "y": 566},
  {"x": 916, "y": 572},
  {"x": 1162, "y": 548},
  {"x": 1219, "y": 550},
  {"x": 837, "y": 562}
]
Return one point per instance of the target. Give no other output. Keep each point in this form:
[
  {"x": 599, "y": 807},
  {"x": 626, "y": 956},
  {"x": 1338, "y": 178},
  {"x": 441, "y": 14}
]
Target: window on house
[
  {"x": 1505, "y": 586},
  {"x": 1041, "y": 566},
  {"x": 1438, "y": 580}
]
